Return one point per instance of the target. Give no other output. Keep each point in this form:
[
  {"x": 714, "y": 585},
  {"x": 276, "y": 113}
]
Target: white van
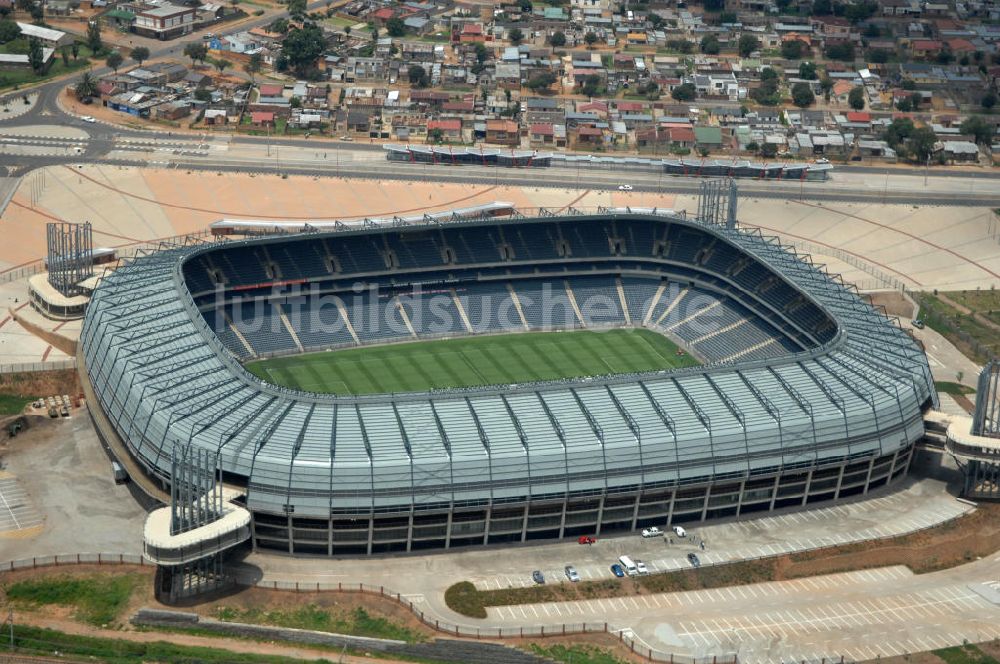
[
  {"x": 119, "y": 473},
  {"x": 629, "y": 565}
]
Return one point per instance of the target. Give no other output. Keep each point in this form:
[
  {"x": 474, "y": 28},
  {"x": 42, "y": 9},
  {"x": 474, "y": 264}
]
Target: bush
[{"x": 463, "y": 598}]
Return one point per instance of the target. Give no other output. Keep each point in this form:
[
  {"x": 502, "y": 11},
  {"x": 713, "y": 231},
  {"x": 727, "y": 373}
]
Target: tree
[
  {"x": 515, "y": 36},
  {"x": 979, "y": 128},
  {"x": 655, "y": 20},
  {"x": 37, "y": 13},
  {"x": 302, "y": 46},
  {"x": 713, "y": 5},
  {"x": 879, "y": 56},
  {"x": 556, "y": 40},
  {"x": 9, "y": 30},
  {"x": 767, "y": 93},
  {"x": 684, "y": 92},
  {"x": 75, "y": 49},
  {"x": 807, "y": 70},
  {"x": 297, "y": 7},
  {"x": 65, "y": 57},
  {"x": 253, "y": 65},
  {"x": 203, "y": 94},
  {"x": 417, "y": 76},
  {"x": 826, "y": 85},
  {"x": 196, "y": 51},
  {"x": 842, "y": 51},
  {"x": 221, "y": 64},
  {"x": 793, "y": 50},
  {"x": 395, "y": 27},
  {"x": 897, "y": 132},
  {"x": 748, "y": 44},
  {"x": 436, "y": 135},
  {"x": 752, "y": 146},
  {"x": 295, "y": 102},
  {"x": 908, "y": 84},
  {"x": 680, "y": 45},
  {"x": 856, "y": 98},
  {"x": 921, "y": 143},
  {"x": 36, "y": 57},
  {"x": 802, "y": 95},
  {"x": 591, "y": 39},
  {"x": 114, "y": 60},
  {"x": 541, "y": 81},
  {"x": 945, "y": 56},
  {"x": 592, "y": 85},
  {"x": 904, "y": 105},
  {"x": 989, "y": 100},
  {"x": 858, "y": 11},
  {"x": 872, "y": 31},
  {"x": 822, "y": 7},
  {"x": 94, "y": 42},
  {"x": 710, "y": 45},
  {"x": 86, "y": 86},
  {"x": 769, "y": 150},
  {"x": 279, "y": 26},
  {"x": 481, "y": 53},
  {"x": 139, "y": 54}
]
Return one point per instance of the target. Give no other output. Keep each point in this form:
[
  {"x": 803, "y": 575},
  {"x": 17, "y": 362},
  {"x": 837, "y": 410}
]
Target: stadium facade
[{"x": 806, "y": 393}]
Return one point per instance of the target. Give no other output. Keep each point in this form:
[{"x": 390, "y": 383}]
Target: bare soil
[
  {"x": 41, "y": 383},
  {"x": 895, "y": 304}
]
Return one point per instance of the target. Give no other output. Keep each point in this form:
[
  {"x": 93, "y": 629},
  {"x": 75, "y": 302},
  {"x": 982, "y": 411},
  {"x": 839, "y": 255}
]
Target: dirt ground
[
  {"x": 894, "y": 302},
  {"x": 41, "y": 383}
]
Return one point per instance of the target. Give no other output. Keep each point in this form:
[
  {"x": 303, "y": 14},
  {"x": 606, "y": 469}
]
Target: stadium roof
[{"x": 164, "y": 377}]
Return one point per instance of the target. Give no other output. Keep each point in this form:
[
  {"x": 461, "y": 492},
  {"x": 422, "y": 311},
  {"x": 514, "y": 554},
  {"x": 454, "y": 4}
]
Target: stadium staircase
[
  {"x": 751, "y": 349},
  {"x": 288, "y": 326},
  {"x": 239, "y": 335},
  {"x": 461, "y": 311},
  {"x": 621, "y": 298},
  {"x": 673, "y": 305},
  {"x": 703, "y": 310},
  {"x": 406, "y": 317},
  {"x": 572, "y": 303},
  {"x": 517, "y": 305},
  {"x": 347, "y": 321},
  {"x": 652, "y": 302},
  {"x": 721, "y": 330}
]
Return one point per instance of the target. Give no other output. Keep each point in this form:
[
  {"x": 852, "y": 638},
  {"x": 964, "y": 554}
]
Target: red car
[{"x": 586, "y": 539}]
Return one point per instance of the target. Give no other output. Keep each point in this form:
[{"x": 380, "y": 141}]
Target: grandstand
[{"x": 806, "y": 393}]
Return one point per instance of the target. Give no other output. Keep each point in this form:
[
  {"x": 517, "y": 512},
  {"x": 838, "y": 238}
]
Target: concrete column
[
  {"x": 892, "y": 466},
  {"x": 486, "y": 525},
  {"x": 447, "y": 531},
  {"x": 600, "y": 515},
  {"x": 291, "y": 548},
  {"x": 253, "y": 533},
  {"x": 371, "y": 532},
  {"x": 562, "y": 519},
  {"x": 809, "y": 481},
  {"x": 840, "y": 481},
  {"x": 739, "y": 501},
  {"x": 670, "y": 508},
  {"x": 409, "y": 531},
  {"x": 329, "y": 535},
  {"x": 774, "y": 492},
  {"x": 635, "y": 512},
  {"x": 868, "y": 478},
  {"x": 524, "y": 523},
  {"x": 704, "y": 505}
]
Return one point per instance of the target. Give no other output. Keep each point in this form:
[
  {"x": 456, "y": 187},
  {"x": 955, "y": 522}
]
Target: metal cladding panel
[{"x": 163, "y": 377}]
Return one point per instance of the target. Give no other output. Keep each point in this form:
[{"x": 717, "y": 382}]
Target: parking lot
[
  {"x": 16, "y": 509},
  {"x": 894, "y": 514}
]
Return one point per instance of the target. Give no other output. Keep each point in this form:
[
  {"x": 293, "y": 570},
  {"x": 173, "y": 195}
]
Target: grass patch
[
  {"x": 98, "y": 599},
  {"x": 974, "y": 339},
  {"x": 967, "y": 654},
  {"x": 473, "y": 361},
  {"x": 948, "y": 387},
  {"x": 13, "y": 404},
  {"x": 10, "y": 79},
  {"x": 576, "y": 654},
  {"x": 115, "y": 651},
  {"x": 357, "y": 622}
]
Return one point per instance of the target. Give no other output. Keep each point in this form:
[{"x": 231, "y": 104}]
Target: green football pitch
[{"x": 471, "y": 361}]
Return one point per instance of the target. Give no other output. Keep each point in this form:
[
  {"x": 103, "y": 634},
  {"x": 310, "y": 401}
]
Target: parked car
[
  {"x": 641, "y": 567},
  {"x": 586, "y": 539},
  {"x": 88, "y": 118},
  {"x": 822, "y": 160},
  {"x": 652, "y": 532},
  {"x": 680, "y": 532},
  {"x": 624, "y": 187},
  {"x": 617, "y": 570},
  {"x": 917, "y": 323},
  {"x": 693, "y": 559},
  {"x": 537, "y": 576},
  {"x": 572, "y": 574}
]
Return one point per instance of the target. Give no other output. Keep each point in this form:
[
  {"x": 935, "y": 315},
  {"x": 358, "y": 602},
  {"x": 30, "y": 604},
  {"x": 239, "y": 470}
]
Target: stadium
[{"x": 429, "y": 384}]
